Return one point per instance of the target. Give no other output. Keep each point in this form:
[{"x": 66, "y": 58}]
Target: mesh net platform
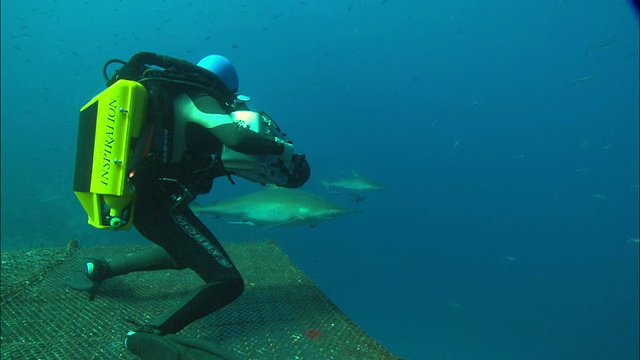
[{"x": 281, "y": 315}]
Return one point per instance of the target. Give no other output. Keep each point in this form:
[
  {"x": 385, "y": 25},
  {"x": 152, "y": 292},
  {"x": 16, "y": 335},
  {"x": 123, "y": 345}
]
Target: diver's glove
[{"x": 301, "y": 171}]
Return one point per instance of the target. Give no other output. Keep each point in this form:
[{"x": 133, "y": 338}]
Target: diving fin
[
  {"x": 95, "y": 271},
  {"x": 80, "y": 281},
  {"x": 196, "y": 349},
  {"x": 174, "y": 347}
]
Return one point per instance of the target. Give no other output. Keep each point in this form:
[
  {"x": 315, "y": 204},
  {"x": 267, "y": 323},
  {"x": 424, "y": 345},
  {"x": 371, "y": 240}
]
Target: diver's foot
[
  {"x": 94, "y": 272},
  {"x": 149, "y": 346},
  {"x": 196, "y": 349},
  {"x": 96, "y": 269}
]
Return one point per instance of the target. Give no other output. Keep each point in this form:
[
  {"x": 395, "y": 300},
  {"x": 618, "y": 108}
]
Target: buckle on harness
[{"x": 179, "y": 194}]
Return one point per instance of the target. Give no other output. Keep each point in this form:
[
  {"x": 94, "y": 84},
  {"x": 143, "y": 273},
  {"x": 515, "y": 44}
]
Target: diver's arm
[
  {"x": 207, "y": 112},
  {"x": 246, "y": 141}
]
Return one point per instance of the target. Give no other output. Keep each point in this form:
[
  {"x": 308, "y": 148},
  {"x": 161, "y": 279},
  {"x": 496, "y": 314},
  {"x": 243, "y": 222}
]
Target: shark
[
  {"x": 353, "y": 183},
  {"x": 274, "y": 207}
]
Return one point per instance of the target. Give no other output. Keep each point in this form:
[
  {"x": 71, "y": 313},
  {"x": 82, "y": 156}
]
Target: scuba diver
[{"x": 197, "y": 128}]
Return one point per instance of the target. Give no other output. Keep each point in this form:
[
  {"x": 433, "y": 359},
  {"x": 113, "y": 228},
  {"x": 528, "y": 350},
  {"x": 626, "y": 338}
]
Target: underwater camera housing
[
  {"x": 108, "y": 128},
  {"x": 263, "y": 169}
]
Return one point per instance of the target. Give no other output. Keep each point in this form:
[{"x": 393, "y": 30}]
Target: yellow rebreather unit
[{"x": 108, "y": 130}]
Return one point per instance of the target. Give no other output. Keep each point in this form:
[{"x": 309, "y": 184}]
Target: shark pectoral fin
[
  {"x": 243, "y": 222},
  {"x": 271, "y": 226},
  {"x": 283, "y": 223},
  {"x": 312, "y": 223}
]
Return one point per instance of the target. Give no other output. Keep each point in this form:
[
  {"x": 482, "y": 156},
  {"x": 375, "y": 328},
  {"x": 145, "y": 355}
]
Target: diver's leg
[
  {"x": 200, "y": 303},
  {"x": 191, "y": 245},
  {"x": 155, "y": 258},
  {"x": 95, "y": 271}
]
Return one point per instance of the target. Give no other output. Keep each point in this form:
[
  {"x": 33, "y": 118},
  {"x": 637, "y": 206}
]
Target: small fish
[
  {"x": 509, "y": 258},
  {"x": 604, "y": 43},
  {"x": 599, "y": 196},
  {"x": 633, "y": 240},
  {"x": 582, "y": 79},
  {"x": 456, "y": 143},
  {"x": 73, "y": 245},
  {"x": 455, "y": 305}
]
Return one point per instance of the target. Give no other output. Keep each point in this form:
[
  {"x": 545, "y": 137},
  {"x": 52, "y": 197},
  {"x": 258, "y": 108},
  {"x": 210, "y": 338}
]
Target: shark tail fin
[
  {"x": 198, "y": 209},
  {"x": 195, "y": 207},
  {"x": 324, "y": 183}
]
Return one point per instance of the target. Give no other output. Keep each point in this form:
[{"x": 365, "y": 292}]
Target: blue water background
[{"x": 471, "y": 112}]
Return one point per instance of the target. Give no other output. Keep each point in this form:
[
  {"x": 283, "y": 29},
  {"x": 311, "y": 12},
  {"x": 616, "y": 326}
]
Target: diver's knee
[
  {"x": 229, "y": 287},
  {"x": 237, "y": 286}
]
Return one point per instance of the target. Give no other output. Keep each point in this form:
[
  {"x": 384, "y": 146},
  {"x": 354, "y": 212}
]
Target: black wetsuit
[{"x": 163, "y": 192}]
